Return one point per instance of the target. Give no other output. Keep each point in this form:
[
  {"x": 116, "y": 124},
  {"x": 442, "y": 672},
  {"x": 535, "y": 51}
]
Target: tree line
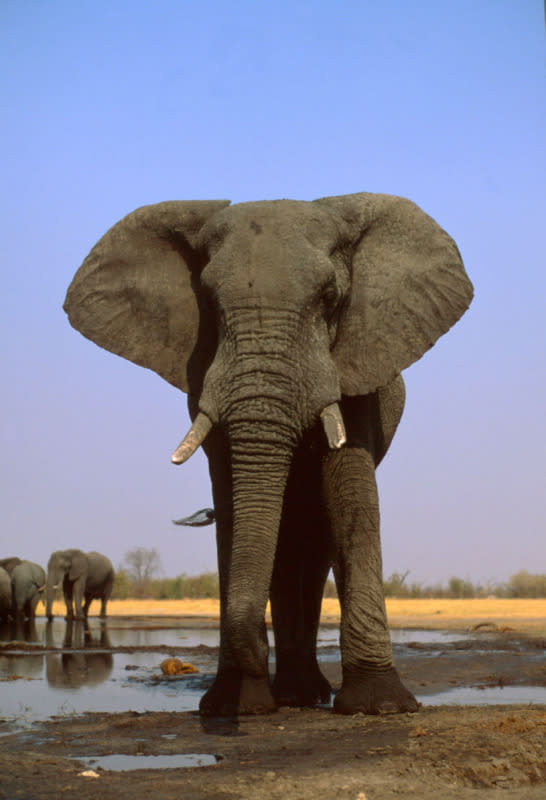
[{"x": 138, "y": 577}]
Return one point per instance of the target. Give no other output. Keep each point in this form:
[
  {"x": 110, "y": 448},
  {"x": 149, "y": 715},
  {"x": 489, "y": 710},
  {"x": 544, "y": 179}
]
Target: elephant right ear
[{"x": 133, "y": 293}]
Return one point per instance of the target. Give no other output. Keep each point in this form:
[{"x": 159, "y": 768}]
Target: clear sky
[{"x": 111, "y": 105}]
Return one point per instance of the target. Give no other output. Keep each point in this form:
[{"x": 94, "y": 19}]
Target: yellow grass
[{"x": 519, "y": 614}]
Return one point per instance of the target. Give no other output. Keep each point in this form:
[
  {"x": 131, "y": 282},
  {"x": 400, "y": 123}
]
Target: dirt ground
[{"x": 439, "y": 752}]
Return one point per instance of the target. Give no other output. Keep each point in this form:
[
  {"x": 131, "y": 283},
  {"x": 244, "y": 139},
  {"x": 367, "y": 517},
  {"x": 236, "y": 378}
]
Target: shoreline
[{"x": 510, "y": 614}]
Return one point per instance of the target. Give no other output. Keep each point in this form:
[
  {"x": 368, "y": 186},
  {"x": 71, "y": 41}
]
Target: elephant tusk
[
  {"x": 193, "y": 439},
  {"x": 333, "y": 426}
]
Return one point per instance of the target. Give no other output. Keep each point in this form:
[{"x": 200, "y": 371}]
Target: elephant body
[
  {"x": 288, "y": 324},
  {"x": 27, "y": 585},
  {"x": 5, "y": 594},
  {"x": 84, "y": 577}
]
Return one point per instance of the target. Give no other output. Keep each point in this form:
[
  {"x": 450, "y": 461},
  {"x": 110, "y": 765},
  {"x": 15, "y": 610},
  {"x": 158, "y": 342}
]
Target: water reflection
[
  {"x": 28, "y": 666},
  {"x": 19, "y": 630},
  {"x": 72, "y": 670}
]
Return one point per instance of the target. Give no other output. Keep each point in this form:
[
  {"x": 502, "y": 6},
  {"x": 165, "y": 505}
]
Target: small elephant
[
  {"x": 84, "y": 577},
  {"x": 5, "y": 594},
  {"x": 288, "y": 324},
  {"x": 27, "y": 585}
]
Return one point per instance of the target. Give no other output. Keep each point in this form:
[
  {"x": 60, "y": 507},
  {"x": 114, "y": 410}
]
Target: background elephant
[
  {"x": 27, "y": 585},
  {"x": 84, "y": 577},
  {"x": 288, "y": 324},
  {"x": 5, "y": 594}
]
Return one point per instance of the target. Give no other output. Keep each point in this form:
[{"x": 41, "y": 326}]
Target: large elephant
[
  {"x": 284, "y": 321},
  {"x": 27, "y": 586},
  {"x": 84, "y": 577}
]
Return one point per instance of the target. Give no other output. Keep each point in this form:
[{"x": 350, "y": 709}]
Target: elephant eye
[{"x": 330, "y": 294}]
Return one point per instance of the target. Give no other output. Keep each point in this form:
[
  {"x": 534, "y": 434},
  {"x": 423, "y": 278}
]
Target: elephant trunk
[
  {"x": 51, "y": 585},
  {"x": 260, "y": 466},
  {"x": 268, "y": 383}
]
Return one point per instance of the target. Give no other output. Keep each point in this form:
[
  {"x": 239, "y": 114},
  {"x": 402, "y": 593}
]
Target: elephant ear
[
  {"x": 78, "y": 564},
  {"x": 133, "y": 293},
  {"x": 408, "y": 288}
]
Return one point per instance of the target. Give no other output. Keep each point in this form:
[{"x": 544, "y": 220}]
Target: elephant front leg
[
  {"x": 234, "y": 690},
  {"x": 371, "y": 683}
]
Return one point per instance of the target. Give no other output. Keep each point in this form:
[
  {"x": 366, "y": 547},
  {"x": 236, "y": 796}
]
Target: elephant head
[
  {"x": 69, "y": 565},
  {"x": 266, "y": 314}
]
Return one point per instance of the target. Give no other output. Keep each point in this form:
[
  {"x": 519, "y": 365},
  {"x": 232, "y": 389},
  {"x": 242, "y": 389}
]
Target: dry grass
[{"x": 518, "y": 614}]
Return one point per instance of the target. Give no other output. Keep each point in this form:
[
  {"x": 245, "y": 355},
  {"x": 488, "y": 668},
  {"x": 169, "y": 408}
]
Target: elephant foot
[
  {"x": 233, "y": 693},
  {"x": 373, "y": 691},
  {"x": 301, "y": 688}
]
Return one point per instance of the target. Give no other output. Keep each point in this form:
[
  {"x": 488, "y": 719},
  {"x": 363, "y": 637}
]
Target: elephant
[
  {"x": 5, "y": 594},
  {"x": 288, "y": 324},
  {"x": 27, "y": 585},
  {"x": 84, "y": 577}
]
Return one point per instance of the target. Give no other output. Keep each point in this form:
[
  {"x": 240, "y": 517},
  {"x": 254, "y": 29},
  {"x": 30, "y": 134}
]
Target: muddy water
[{"x": 57, "y": 668}]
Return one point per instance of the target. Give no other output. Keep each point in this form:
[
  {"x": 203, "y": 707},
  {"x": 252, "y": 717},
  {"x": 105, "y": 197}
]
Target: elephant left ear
[{"x": 408, "y": 287}]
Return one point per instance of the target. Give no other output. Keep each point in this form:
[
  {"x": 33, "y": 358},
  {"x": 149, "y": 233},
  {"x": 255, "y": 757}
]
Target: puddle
[
  {"x": 122, "y": 763},
  {"x": 71, "y": 668},
  {"x": 491, "y": 695}
]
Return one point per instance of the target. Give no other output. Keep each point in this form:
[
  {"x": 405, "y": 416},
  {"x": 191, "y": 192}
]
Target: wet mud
[{"x": 445, "y": 751}]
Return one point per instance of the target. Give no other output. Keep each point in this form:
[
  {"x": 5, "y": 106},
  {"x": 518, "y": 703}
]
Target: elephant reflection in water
[
  {"x": 72, "y": 670},
  {"x": 21, "y": 630}
]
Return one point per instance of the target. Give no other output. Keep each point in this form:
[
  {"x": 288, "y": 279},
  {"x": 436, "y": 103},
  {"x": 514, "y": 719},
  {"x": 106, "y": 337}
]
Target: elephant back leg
[
  {"x": 299, "y": 575},
  {"x": 68, "y": 588},
  {"x": 86, "y": 604},
  {"x": 106, "y": 596}
]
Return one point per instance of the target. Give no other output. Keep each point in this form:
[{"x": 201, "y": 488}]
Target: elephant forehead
[{"x": 279, "y": 220}]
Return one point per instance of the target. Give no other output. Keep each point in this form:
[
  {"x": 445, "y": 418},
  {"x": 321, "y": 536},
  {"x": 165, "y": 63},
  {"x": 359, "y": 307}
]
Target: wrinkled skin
[
  {"x": 84, "y": 577},
  {"x": 27, "y": 586},
  {"x": 271, "y": 315}
]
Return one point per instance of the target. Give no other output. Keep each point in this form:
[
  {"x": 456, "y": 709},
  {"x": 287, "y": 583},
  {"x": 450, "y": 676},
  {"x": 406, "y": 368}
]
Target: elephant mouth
[{"x": 331, "y": 419}]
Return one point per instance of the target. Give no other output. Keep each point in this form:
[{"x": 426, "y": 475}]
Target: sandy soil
[{"x": 439, "y": 752}]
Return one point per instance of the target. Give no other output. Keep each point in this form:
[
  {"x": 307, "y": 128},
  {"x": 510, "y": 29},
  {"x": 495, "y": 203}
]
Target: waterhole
[
  {"x": 61, "y": 669},
  {"x": 121, "y": 763}
]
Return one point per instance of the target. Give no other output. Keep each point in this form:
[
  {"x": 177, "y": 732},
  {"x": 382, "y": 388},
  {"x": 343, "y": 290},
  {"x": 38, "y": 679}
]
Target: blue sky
[{"x": 111, "y": 105}]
